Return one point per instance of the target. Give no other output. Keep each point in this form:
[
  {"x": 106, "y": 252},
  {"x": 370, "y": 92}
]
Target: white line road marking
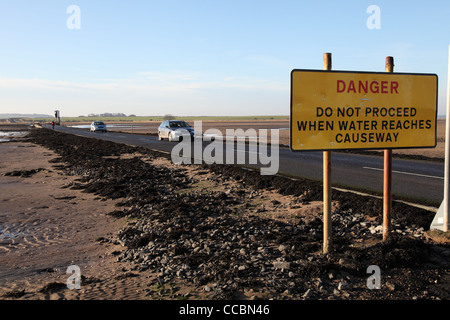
[
  {"x": 408, "y": 173},
  {"x": 247, "y": 151}
]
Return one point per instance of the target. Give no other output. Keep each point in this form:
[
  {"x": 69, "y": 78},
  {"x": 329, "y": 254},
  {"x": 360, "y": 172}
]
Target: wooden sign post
[
  {"x": 387, "y": 184},
  {"x": 326, "y": 181}
]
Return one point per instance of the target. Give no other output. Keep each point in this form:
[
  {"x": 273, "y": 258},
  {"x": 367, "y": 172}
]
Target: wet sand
[{"x": 45, "y": 227}]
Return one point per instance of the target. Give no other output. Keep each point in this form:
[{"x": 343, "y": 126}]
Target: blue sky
[{"x": 195, "y": 57}]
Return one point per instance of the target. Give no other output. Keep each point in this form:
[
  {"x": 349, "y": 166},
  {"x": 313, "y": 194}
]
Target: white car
[
  {"x": 98, "y": 126},
  {"x": 175, "y": 130}
]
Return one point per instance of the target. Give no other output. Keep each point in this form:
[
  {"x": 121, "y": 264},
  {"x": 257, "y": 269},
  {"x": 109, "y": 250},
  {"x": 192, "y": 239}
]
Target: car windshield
[
  {"x": 99, "y": 123},
  {"x": 178, "y": 124}
]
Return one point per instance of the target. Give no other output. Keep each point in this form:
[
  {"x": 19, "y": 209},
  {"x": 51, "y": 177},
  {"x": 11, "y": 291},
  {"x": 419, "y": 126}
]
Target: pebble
[
  {"x": 376, "y": 229},
  {"x": 390, "y": 286},
  {"x": 343, "y": 285},
  {"x": 284, "y": 265},
  {"x": 56, "y": 296},
  {"x": 308, "y": 294}
]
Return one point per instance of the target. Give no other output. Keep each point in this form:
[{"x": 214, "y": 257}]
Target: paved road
[{"x": 410, "y": 178}]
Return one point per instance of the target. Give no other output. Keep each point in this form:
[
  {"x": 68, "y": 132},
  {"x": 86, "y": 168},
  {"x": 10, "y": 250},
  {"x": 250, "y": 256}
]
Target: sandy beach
[{"x": 45, "y": 227}]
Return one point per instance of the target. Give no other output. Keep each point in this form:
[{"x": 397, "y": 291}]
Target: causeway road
[{"x": 419, "y": 180}]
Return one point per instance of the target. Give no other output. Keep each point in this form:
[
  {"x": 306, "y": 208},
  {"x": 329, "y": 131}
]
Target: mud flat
[{"x": 140, "y": 227}]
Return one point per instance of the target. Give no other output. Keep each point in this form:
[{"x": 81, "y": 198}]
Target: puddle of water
[
  {"x": 6, "y": 235},
  {"x": 7, "y": 135},
  {"x": 81, "y": 126},
  {"x": 117, "y": 126},
  {"x": 12, "y": 133}
]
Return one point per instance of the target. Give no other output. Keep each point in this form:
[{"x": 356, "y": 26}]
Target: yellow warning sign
[{"x": 362, "y": 110}]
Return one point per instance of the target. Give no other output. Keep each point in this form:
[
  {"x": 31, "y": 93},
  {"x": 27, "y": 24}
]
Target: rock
[
  {"x": 343, "y": 285},
  {"x": 376, "y": 229},
  {"x": 206, "y": 289},
  {"x": 318, "y": 283},
  {"x": 56, "y": 296},
  {"x": 307, "y": 294},
  {"x": 284, "y": 265},
  {"x": 390, "y": 286},
  {"x": 263, "y": 250}
]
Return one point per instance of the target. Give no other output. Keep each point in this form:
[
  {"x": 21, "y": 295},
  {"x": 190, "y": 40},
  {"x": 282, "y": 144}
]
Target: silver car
[
  {"x": 98, "y": 126},
  {"x": 175, "y": 130}
]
